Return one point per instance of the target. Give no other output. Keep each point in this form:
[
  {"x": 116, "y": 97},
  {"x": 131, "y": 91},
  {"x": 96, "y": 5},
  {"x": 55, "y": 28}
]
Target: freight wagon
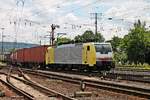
[{"x": 30, "y": 57}]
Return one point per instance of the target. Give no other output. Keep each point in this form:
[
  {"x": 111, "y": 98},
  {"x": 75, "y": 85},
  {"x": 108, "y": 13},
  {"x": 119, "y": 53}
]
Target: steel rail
[
  {"x": 8, "y": 75},
  {"x": 130, "y": 77},
  {"x": 16, "y": 90},
  {"x": 119, "y": 76},
  {"x": 9, "y": 84},
  {"x": 27, "y": 95},
  {"x": 109, "y": 85},
  {"x": 65, "y": 97},
  {"x": 44, "y": 89}
]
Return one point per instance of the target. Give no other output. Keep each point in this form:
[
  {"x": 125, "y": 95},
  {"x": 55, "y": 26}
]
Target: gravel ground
[
  {"x": 38, "y": 95},
  {"x": 9, "y": 94},
  {"x": 97, "y": 94},
  {"x": 69, "y": 89},
  {"x": 7, "y": 91},
  {"x": 12, "y": 98}
]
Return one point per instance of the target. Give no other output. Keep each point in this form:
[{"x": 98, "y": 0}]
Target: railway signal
[{"x": 53, "y": 27}]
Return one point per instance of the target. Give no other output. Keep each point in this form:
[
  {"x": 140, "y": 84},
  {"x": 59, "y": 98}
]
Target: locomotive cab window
[
  {"x": 88, "y": 48},
  {"x": 103, "y": 48}
]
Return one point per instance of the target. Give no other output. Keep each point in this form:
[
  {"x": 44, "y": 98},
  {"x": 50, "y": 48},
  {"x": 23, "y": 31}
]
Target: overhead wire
[
  {"x": 71, "y": 10},
  {"x": 48, "y": 9},
  {"x": 18, "y": 19},
  {"x": 7, "y": 14},
  {"x": 74, "y": 10},
  {"x": 87, "y": 5}
]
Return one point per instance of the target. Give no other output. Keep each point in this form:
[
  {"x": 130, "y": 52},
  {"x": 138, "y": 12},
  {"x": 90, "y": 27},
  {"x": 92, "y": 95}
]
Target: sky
[{"x": 30, "y": 20}]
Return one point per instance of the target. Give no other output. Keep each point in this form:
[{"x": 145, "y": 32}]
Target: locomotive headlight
[{"x": 104, "y": 59}]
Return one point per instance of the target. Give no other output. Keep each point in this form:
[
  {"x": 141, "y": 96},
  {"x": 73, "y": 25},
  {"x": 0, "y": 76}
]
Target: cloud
[
  {"x": 129, "y": 9},
  {"x": 67, "y": 13}
]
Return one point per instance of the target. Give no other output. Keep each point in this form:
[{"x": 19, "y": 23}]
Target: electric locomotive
[{"x": 92, "y": 56}]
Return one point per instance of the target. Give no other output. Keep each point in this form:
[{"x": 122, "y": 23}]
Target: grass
[{"x": 134, "y": 66}]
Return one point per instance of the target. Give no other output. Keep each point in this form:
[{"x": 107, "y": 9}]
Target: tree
[
  {"x": 89, "y": 36},
  {"x": 147, "y": 45},
  {"x": 135, "y": 43},
  {"x": 119, "y": 53},
  {"x": 120, "y": 56},
  {"x": 99, "y": 38},
  {"x": 63, "y": 40},
  {"x": 78, "y": 39},
  {"x": 115, "y": 42}
]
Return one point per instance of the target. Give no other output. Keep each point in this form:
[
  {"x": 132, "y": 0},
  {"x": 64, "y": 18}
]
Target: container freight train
[{"x": 85, "y": 56}]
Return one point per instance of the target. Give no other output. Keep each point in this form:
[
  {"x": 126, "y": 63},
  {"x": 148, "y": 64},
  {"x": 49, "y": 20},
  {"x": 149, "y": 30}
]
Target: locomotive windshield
[{"x": 103, "y": 48}]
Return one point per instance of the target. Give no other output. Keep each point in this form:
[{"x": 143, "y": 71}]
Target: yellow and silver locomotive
[{"x": 98, "y": 56}]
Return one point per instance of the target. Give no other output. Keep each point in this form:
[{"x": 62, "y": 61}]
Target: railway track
[
  {"x": 136, "y": 76},
  {"x": 18, "y": 91},
  {"x": 128, "y": 75},
  {"x": 50, "y": 94},
  {"x": 7, "y": 82},
  {"x": 143, "y": 77},
  {"x": 130, "y": 68},
  {"x": 102, "y": 84}
]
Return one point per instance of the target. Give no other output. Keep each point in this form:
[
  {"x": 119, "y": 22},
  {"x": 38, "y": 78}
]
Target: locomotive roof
[
  {"x": 68, "y": 45},
  {"x": 79, "y": 44},
  {"x": 102, "y": 43}
]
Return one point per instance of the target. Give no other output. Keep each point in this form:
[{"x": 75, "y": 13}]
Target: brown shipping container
[
  {"x": 20, "y": 55},
  {"x": 35, "y": 54},
  {"x": 30, "y": 55}
]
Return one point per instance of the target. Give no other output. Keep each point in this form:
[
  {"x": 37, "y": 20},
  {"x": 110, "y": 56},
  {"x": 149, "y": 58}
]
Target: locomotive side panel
[{"x": 68, "y": 55}]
